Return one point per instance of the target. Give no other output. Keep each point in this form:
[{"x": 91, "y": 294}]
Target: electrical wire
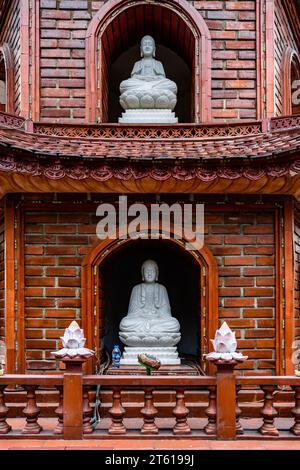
[{"x": 96, "y": 418}]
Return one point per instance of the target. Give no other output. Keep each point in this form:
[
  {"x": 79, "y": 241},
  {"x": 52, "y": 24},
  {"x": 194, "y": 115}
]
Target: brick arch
[
  {"x": 95, "y": 64},
  {"x": 6, "y": 53},
  {"x": 91, "y": 303},
  {"x": 290, "y": 55}
]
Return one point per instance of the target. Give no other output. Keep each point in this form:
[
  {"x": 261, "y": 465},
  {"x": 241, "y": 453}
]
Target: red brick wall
[
  {"x": 11, "y": 35},
  {"x": 2, "y": 281},
  {"x": 232, "y": 27},
  {"x": 243, "y": 243},
  {"x": 284, "y": 38},
  {"x": 297, "y": 273},
  {"x": 55, "y": 246},
  {"x": 63, "y": 29}
]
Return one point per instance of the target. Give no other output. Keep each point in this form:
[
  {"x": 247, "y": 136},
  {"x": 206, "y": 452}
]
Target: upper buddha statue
[
  {"x": 149, "y": 321},
  {"x": 148, "y": 87}
]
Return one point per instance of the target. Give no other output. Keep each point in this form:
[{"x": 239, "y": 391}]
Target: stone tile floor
[
  {"x": 144, "y": 443},
  {"x": 149, "y": 444}
]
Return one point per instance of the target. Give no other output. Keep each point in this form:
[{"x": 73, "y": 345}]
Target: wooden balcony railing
[
  {"x": 29, "y": 383},
  {"x": 269, "y": 386},
  {"x": 221, "y": 414},
  {"x": 149, "y": 413}
]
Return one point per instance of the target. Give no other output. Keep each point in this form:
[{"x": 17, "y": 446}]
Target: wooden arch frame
[
  {"x": 8, "y": 57},
  {"x": 202, "y": 60},
  {"x": 287, "y": 85},
  {"x": 91, "y": 303}
]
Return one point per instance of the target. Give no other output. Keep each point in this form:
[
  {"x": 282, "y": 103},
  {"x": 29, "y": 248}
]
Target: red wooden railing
[
  {"x": 269, "y": 386},
  {"x": 149, "y": 412},
  {"x": 30, "y": 383},
  {"x": 223, "y": 415}
]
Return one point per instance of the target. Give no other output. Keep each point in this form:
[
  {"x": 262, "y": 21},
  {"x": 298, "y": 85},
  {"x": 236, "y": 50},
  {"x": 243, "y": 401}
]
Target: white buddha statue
[
  {"x": 149, "y": 322},
  {"x": 148, "y": 94}
]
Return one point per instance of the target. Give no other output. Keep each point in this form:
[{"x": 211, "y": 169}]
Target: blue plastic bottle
[{"x": 116, "y": 356}]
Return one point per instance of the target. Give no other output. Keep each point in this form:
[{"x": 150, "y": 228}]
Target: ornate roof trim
[
  {"x": 12, "y": 121},
  {"x": 158, "y": 131},
  {"x": 102, "y": 171},
  {"x": 249, "y": 150}
]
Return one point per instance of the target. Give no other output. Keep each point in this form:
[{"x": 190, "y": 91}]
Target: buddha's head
[
  {"x": 149, "y": 271},
  {"x": 147, "y": 47}
]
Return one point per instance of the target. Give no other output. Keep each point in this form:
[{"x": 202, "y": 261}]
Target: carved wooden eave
[{"x": 260, "y": 157}]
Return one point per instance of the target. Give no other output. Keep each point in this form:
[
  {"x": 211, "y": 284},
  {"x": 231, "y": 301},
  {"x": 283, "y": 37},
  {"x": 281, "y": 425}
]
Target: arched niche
[
  {"x": 181, "y": 35},
  {"x": 291, "y": 82},
  {"x": 6, "y": 79},
  {"x": 96, "y": 273},
  {"x": 176, "y": 69}
]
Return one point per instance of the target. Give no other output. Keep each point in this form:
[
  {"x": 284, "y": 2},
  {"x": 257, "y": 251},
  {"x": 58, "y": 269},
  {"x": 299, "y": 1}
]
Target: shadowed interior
[
  {"x": 120, "y": 49},
  {"x": 122, "y": 271}
]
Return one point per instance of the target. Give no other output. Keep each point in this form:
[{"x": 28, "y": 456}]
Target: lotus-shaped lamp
[
  {"x": 225, "y": 346},
  {"x": 73, "y": 337},
  {"x": 224, "y": 341},
  {"x": 73, "y": 342}
]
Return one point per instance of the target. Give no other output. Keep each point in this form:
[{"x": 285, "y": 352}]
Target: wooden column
[
  {"x": 73, "y": 402},
  {"x": 20, "y": 291},
  {"x": 260, "y": 58},
  {"x": 270, "y": 58},
  {"x": 14, "y": 287},
  {"x": 279, "y": 293},
  {"x": 10, "y": 286},
  {"x": 25, "y": 59},
  {"x": 289, "y": 286},
  {"x": 226, "y": 400},
  {"x": 35, "y": 69}
]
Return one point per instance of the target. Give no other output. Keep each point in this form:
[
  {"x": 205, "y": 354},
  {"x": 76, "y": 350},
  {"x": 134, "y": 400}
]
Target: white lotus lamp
[
  {"x": 73, "y": 342},
  {"x": 225, "y": 345},
  {"x": 225, "y": 341}
]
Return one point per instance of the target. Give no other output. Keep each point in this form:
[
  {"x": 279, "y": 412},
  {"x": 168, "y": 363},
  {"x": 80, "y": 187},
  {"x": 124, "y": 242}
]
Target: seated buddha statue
[
  {"x": 149, "y": 321},
  {"x": 148, "y": 87}
]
